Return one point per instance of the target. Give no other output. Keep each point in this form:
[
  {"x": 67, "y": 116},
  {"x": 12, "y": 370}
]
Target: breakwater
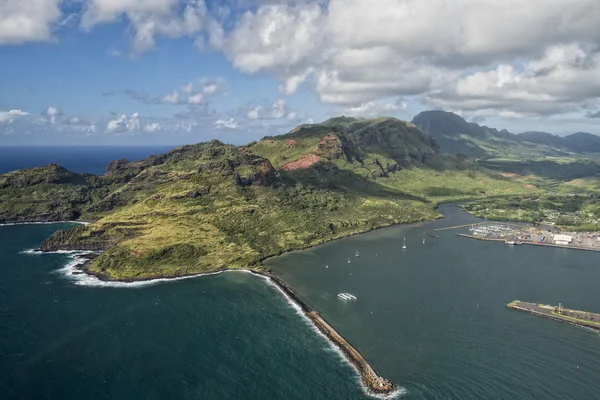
[
  {"x": 374, "y": 383},
  {"x": 558, "y": 313}
]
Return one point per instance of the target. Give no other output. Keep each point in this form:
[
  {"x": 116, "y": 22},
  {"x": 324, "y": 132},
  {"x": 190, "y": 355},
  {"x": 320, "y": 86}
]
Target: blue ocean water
[
  {"x": 90, "y": 159},
  {"x": 226, "y": 336}
]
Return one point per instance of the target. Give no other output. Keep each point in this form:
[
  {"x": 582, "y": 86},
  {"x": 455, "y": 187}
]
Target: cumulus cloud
[
  {"x": 275, "y": 110},
  {"x": 11, "y": 115},
  {"x": 172, "y": 98},
  {"x": 195, "y": 99},
  {"x": 124, "y": 123},
  {"x": 51, "y": 114},
  {"x": 28, "y": 20},
  {"x": 148, "y": 19},
  {"x": 192, "y": 93},
  {"x": 152, "y": 127},
  {"x": 226, "y": 124},
  {"x": 564, "y": 79},
  {"x": 355, "y": 53},
  {"x": 211, "y": 88},
  {"x": 374, "y": 109}
]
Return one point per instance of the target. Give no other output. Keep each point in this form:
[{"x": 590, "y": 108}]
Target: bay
[{"x": 433, "y": 317}]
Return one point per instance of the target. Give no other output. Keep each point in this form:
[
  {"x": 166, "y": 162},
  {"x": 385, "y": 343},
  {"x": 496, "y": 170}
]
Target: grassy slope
[{"x": 208, "y": 206}]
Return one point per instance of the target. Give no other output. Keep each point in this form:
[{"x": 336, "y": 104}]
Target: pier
[
  {"x": 515, "y": 234},
  {"x": 373, "y": 382},
  {"x": 558, "y": 313}
]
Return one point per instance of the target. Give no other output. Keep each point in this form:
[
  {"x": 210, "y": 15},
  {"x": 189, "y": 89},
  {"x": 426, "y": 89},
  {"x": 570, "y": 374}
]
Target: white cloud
[
  {"x": 276, "y": 35},
  {"x": 276, "y": 110},
  {"x": 153, "y": 127},
  {"x": 124, "y": 123},
  {"x": 226, "y": 123},
  {"x": 356, "y": 52},
  {"x": 210, "y": 88},
  {"x": 172, "y": 98},
  {"x": 148, "y": 19},
  {"x": 196, "y": 99},
  {"x": 51, "y": 114},
  {"x": 253, "y": 113},
  {"x": 28, "y": 20},
  {"x": 188, "y": 88},
  {"x": 565, "y": 79},
  {"x": 11, "y": 115},
  {"x": 374, "y": 109}
]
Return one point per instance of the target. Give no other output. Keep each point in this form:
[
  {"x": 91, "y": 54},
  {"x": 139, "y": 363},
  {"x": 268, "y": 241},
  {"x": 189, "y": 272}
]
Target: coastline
[
  {"x": 44, "y": 223},
  {"x": 372, "y": 383}
]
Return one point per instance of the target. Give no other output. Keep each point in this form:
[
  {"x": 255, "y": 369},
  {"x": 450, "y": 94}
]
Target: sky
[{"x": 133, "y": 72}]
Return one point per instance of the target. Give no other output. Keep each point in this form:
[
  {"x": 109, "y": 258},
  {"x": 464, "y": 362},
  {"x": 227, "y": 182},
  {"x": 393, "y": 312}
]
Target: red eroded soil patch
[
  {"x": 512, "y": 176},
  {"x": 304, "y": 162},
  {"x": 529, "y": 186}
]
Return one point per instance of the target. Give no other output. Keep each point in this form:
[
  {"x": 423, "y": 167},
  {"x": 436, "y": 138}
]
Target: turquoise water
[
  {"x": 431, "y": 318},
  {"x": 227, "y": 336}
]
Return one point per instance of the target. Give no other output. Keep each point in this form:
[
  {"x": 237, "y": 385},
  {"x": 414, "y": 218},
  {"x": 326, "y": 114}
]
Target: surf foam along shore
[
  {"x": 372, "y": 384},
  {"x": 301, "y": 309},
  {"x": 75, "y": 273}
]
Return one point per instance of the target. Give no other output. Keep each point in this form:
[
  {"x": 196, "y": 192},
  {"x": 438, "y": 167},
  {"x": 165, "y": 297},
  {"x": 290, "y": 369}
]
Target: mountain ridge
[{"x": 447, "y": 128}]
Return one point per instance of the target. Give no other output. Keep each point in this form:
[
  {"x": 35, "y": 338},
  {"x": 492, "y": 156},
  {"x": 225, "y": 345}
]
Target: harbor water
[{"x": 433, "y": 317}]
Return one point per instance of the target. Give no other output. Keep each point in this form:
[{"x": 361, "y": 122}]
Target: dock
[
  {"x": 373, "y": 382},
  {"x": 558, "y": 313}
]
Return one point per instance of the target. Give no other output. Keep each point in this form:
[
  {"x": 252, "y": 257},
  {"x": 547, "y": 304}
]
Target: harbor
[
  {"x": 559, "y": 313},
  {"x": 522, "y": 234}
]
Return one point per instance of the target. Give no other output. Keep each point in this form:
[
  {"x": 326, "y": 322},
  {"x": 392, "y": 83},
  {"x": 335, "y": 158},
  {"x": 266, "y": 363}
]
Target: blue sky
[{"x": 182, "y": 71}]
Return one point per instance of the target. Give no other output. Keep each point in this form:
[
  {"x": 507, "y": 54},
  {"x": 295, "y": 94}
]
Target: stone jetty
[
  {"x": 558, "y": 313},
  {"x": 374, "y": 383}
]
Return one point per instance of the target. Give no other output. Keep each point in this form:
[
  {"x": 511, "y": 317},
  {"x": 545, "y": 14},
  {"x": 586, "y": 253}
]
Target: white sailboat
[
  {"x": 423, "y": 240},
  {"x": 404, "y": 244},
  {"x": 349, "y": 261},
  {"x": 357, "y": 254}
]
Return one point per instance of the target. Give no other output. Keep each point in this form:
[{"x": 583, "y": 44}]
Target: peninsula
[{"x": 210, "y": 206}]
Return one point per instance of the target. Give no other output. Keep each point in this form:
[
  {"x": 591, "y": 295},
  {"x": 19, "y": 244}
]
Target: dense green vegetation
[{"x": 211, "y": 205}]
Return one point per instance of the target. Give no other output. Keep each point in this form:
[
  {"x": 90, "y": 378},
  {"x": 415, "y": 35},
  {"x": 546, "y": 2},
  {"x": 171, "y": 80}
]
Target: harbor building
[{"x": 563, "y": 239}]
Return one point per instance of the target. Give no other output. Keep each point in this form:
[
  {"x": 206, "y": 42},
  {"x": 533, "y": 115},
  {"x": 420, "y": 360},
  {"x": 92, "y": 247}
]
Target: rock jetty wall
[{"x": 374, "y": 383}]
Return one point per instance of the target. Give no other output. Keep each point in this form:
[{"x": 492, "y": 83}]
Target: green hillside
[{"x": 211, "y": 205}]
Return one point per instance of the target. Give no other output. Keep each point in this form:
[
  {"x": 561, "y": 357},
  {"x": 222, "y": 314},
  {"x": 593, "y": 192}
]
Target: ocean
[
  {"x": 432, "y": 318},
  {"x": 90, "y": 159}
]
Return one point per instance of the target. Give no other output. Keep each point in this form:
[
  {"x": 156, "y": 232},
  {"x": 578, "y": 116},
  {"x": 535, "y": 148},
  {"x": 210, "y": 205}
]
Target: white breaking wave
[
  {"x": 332, "y": 346},
  {"x": 72, "y": 252},
  {"x": 79, "y": 277}
]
